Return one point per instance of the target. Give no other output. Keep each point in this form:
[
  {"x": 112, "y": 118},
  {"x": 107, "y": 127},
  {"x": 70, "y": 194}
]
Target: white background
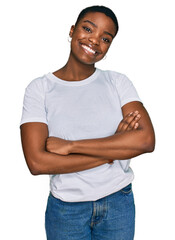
[{"x": 34, "y": 42}]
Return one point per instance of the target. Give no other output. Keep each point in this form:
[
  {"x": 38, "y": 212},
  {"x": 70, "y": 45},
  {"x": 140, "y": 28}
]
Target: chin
[{"x": 89, "y": 61}]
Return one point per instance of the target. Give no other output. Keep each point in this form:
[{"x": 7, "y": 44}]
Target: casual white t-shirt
[{"x": 86, "y": 109}]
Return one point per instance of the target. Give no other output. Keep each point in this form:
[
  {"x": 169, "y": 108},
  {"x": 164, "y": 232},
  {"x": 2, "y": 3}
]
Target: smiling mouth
[{"x": 89, "y": 50}]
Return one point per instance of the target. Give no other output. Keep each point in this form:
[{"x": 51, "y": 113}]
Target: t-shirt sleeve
[
  {"x": 34, "y": 109},
  {"x": 126, "y": 90}
]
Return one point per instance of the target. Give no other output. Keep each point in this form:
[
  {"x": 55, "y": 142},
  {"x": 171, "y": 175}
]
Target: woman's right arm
[{"x": 39, "y": 161}]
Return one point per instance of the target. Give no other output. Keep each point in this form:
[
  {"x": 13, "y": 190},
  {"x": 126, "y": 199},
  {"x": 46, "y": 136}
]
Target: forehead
[{"x": 100, "y": 20}]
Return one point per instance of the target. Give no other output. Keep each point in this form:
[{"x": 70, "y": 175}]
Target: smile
[{"x": 88, "y": 49}]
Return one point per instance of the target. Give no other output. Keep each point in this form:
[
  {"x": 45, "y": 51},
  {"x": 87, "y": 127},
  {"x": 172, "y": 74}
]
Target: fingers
[
  {"x": 133, "y": 122},
  {"x": 129, "y": 122},
  {"x": 111, "y": 162}
]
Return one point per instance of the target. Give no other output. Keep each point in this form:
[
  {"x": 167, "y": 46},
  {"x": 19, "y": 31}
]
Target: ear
[{"x": 72, "y": 30}]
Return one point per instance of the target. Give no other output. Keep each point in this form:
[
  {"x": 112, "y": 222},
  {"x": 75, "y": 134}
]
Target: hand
[
  {"x": 129, "y": 122},
  {"x": 58, "y": 145}
]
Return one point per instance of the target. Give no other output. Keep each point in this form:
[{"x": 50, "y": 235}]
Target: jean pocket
[{"x": 127, "y": 190}]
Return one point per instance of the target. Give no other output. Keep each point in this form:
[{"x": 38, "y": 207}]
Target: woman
[{"x": 81, "y": 125}]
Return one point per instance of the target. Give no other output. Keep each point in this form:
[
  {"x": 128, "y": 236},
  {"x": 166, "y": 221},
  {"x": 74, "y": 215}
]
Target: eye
[
  {"x": 106, "y": 40},
  {"x": 87, "y": 29}
]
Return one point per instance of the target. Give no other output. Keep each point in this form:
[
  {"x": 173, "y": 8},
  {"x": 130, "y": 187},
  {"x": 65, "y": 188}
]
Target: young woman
[{"x": 81, "y": 125}]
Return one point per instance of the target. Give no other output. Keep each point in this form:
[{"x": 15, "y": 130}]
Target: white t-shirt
[{"x": 86, "y": 109}]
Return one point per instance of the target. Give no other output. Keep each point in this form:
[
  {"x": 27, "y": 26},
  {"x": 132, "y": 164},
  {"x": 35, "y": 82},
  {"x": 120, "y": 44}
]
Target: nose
[{"x": 94, "y": 39}]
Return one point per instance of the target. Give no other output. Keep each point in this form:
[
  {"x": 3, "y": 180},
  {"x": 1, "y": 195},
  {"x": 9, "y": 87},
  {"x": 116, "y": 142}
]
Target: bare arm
[
  {"x": 40, "y": 161},
  {"x": 124, "y": 144}
]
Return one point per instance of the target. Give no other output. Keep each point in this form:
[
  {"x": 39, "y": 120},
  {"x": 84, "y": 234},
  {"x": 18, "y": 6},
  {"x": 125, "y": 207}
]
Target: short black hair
[{"x": 102, "y": 9}]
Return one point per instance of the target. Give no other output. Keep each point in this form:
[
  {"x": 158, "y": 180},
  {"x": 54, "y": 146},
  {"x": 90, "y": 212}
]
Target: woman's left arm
[{"x": 123, "y": 144}]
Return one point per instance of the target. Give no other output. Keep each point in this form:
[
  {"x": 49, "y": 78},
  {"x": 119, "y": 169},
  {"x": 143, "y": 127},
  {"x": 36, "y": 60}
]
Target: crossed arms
[{"x": 50, "y": 155}]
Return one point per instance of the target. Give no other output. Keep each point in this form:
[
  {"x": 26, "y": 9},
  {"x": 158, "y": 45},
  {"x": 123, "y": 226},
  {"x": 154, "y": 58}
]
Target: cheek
[
  {"x": 78, "y": 34},
  {"x": 105, "y": 48}
]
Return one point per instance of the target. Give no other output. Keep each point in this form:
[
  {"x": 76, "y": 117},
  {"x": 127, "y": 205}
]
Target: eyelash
[
  {"x": 106, "y": 40},
  {"x": 89, "y": 31}
]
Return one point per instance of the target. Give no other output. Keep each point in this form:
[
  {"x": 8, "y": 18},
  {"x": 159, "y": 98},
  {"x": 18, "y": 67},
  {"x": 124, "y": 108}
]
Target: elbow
[
  {"x": 34, "y": 169},
  {"x": 150, "y": 147},
  {"x": 149, "y": 144},
  {"x": 34, "y": 166}
]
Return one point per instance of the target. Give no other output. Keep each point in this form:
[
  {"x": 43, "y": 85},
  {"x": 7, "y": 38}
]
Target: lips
[{"x": 89, "y": 49}]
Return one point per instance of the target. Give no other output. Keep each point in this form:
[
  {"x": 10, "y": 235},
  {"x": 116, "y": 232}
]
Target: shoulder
[
  {"x": 116, "y": 77},
  {"x": 38, "y": 84},
  {"x": 39, "y": 81}
]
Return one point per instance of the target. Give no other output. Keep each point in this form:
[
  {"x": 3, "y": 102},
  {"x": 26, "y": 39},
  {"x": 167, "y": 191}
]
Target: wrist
[{"x": 74, "y": 147}]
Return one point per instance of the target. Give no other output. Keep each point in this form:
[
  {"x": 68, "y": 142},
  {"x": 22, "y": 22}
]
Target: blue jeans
[{"x": 109, "y": 218}]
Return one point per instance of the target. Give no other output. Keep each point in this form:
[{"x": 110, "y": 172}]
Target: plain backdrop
[{"x": 34, "y": 42}]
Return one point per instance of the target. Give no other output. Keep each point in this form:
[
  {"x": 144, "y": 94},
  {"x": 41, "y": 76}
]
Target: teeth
[{"x": 88, "y": 49}]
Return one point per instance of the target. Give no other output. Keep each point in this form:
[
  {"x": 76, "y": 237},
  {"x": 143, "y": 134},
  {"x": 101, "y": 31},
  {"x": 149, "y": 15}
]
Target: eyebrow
[{"x": 93, "y": 24}]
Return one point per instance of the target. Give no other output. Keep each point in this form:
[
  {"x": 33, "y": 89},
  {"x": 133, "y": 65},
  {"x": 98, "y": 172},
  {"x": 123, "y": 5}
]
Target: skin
[
  {"x": 81, "y": 64},
  {"x": 133, "y": 136},
  {"x": 126, "y": 143}
]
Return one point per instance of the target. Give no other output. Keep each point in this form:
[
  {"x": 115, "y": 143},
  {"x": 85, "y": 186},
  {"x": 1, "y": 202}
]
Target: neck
[{"x": 75, "y": 71}]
